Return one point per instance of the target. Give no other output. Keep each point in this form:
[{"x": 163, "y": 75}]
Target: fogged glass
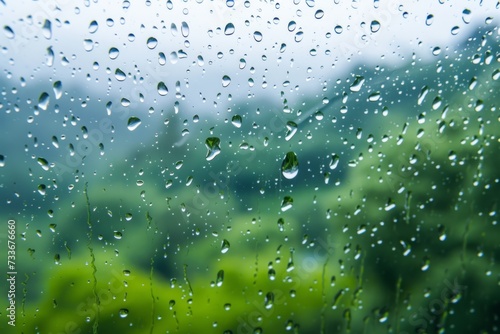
[{"x": 249, "y": 166}]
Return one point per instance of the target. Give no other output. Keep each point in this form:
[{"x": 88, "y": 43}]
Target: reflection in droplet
[
  {"x": 123, "y": 313},
  {"x": 220, "y": 278},
  {"x": 236, "y": 121},
  {"x": 225, "y": 246},
  {"x": 291, "y": 130},
  {"x": 43, "y": 101},
  {"x": 358, "y": 82},
  {"x": 290, "y": 165},
  {"x": 213, "y": 146},
  {"x": 287, "y": 203},
  {"x": 133, "y": 123},
  {"x": 335, "y": 161}
]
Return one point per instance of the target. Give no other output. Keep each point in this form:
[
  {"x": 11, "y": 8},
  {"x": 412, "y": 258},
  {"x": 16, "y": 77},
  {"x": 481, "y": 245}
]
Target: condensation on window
[{"x": 249, "y": 166}]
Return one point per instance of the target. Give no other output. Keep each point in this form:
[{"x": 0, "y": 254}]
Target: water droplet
[
  {"x": 287, "y": 203},
  {"x": 269, "y": 300},
  {"x": 236, "y": 121},
  {"x": 88, "y": 45},
  {"x": 93, "y": 26},
  {"x": 123, "y": 313},
  {"x": 133, "y": 123},
  {"x": 466, "y": 15},
  {"x": 429, "y": 19},
  {"x": 496, "y": 74},
  {"x": 162, "y": 88},
  {"x": 152, "y": 43},
  {"x": 422, "y": 94},
  {"x": 50, "y": 57},
  {"x": 374, "y": 26},
  {"x": 57, "y": 86},
  {"x": 184, "y": 29},
  {"x": 319, "y": 14},
  {"x": 113, "y": 53},
  {"x": 455, "y": 30},
  {"x": 257, "y": 36},
  {"x": 120, "y": 75},
  {"x": 220, "y": 278},
  {"x": 226, "y": 80},
  {"x": 43, "y": 163},
  {"x": 2, "y": 160},
  {"x": 213, "y": 146},
  {"x": 290, "y": 165},
  {"x": 229, "y": 29},
  {"x": 47, "y": 29},
  {"x": 358, "y": 82},
  {"x": 225, "y": 246},
  {"x": 271, "y": 273},
  {"x": 43, "y": 101},
  {"x": 291, "y": 26},
  {"x": 335, "y": 161},
  {"x": 338, "y": 29},
  {"x": 9, "y": 33},
  {"x": 117, "y": 235},
  {"x": 291, "y": 130},
  {"x": 299, "y": 35},
  {"x": 42, "y": 188}
]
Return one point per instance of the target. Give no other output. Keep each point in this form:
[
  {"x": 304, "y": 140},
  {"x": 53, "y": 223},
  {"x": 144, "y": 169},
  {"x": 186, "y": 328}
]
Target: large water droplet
[
  {"x": 57, "y": 86},
  {"x": 162, "y": 88},
  {"x": 269, "y": 301},
  {"x": 213, "y": 146},
  {"x": 184, "y": 29},
  {"x": 123, "y": 313},
  {"x": 226, "y": 80},
  {"x": 113, "y": 53},
  {"x": 236, "y": 121},
  {"x": 290, "y": 165},
  {"x": 43, "y": 101},
  {"x": 120, "y": 75},
  {"x": 47, "y": 29},
  {"x": 225, "y": 246},
  {"x": 291, "y": 130},
  {"x": 220, "y": 278},
  {"x": 374, "y": 26},
  {"x": 133, "y": 123},
  {"x": 257, "y": 36},
  {"x": 152, "y": 43},
  {"x": 335, "y": 161},
  {"x": 93, "y": 26},
  {"x": 358, "y": 82},
  {"x": 287, "y": 203},
  {"x": 9, "y": 33},
  {"x": 229, "y": 29},
  {"x": 422, "y": 94},
  {"x": 43, "y": 163}
]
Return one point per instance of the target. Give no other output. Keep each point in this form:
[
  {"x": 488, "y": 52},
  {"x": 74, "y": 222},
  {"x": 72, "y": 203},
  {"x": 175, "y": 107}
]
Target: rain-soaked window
[{"x": 210, "y": 166}]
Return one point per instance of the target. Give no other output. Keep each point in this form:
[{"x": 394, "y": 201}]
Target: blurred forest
[{"x": 390, "y": 225}]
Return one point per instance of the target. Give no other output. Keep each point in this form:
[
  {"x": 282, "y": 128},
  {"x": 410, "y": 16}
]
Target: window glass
[{"x": 249, "y": 166}]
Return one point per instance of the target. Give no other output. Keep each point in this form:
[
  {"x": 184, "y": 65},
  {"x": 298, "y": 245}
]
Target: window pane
[{"x": 249, "y": 167}]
